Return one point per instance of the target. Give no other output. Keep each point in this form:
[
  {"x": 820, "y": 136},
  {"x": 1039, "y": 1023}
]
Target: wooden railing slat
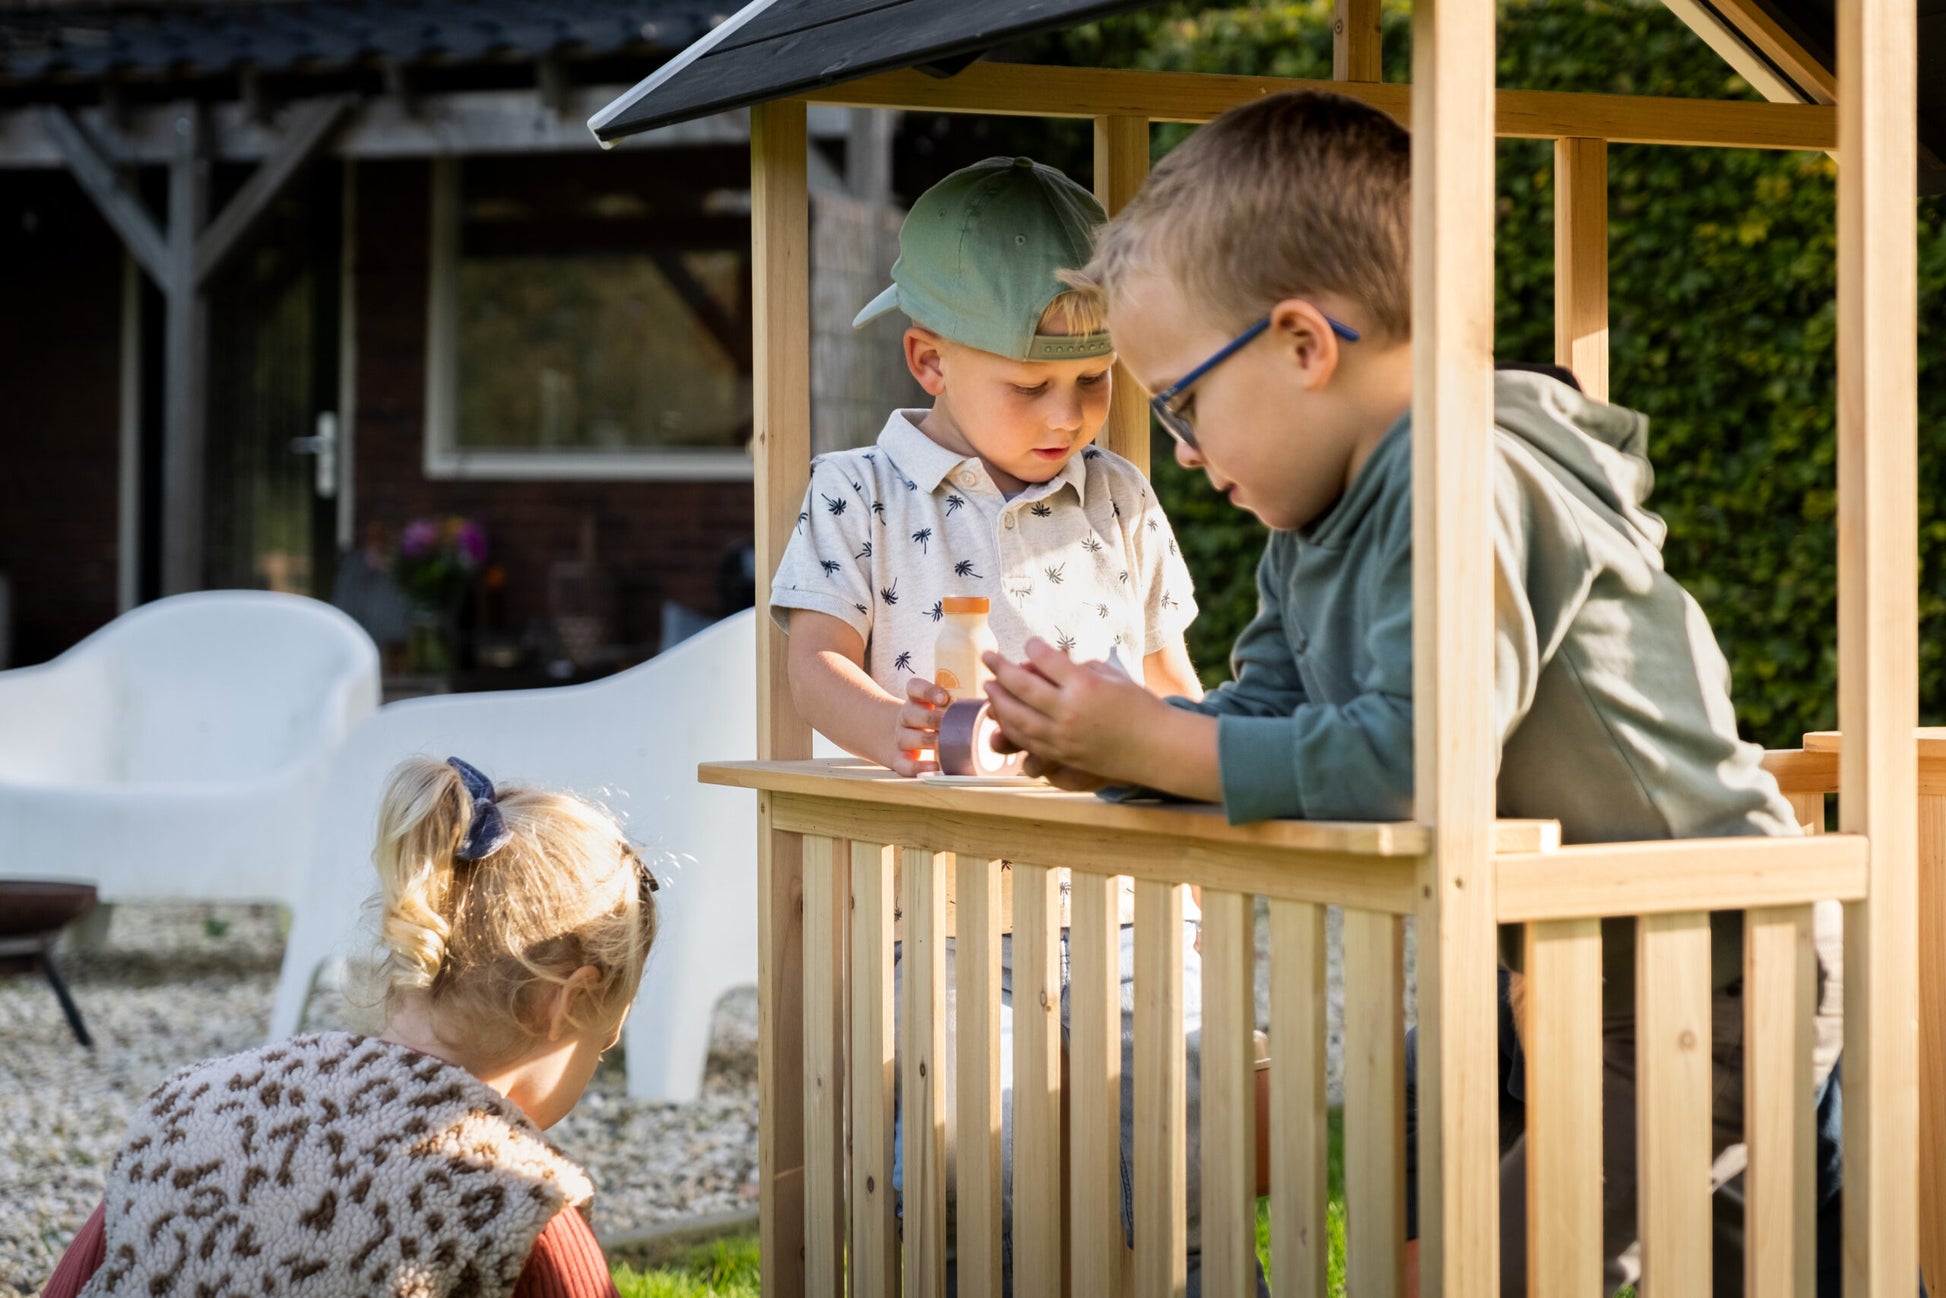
[
  {"x": 1160, "y": 1184},
  {"x": 1374, "y": 1104},
  {"x": 976, "y": 964},
  {"x": 1674, "y": 1086},
  {"x": 874, "y": 1220},
  {"x": 1229, "y": 1096},
  {"x": 825, "y": 904},
  {"x": 1298, "y": 1131},
  {"x": 1037, "y": 1083},
  {"x": 922, "y": 1063},
  {"x": 1098, "y": 1256},
  {"x": 1563, "y": 1038},
  {"x": 1779, "y": 998}
]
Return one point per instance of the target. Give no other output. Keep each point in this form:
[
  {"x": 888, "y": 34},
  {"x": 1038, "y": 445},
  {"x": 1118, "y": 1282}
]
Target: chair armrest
[{"x": 57, "y": 723}]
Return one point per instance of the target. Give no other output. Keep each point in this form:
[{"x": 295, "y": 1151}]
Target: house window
[{"x": 589, "y": 319}]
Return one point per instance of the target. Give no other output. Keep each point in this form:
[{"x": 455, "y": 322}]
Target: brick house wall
[{"x": 60, "y": 373}]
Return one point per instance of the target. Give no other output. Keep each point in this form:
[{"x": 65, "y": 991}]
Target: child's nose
[
  {"x": 1066, "y": 415},
  {"x": 1188, "y": 457}
]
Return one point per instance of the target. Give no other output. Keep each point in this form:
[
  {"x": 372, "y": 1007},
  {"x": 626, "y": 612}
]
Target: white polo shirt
[{"x": 1085, "y": 560}]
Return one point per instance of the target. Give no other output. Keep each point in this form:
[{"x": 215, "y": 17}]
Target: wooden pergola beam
[
  {"x": 300, "y": 141},
  {"x": 119, "y": 204}
]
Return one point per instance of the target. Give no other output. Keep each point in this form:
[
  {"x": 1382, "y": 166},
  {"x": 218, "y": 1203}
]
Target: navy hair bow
[{"x": 488, "y": 832}]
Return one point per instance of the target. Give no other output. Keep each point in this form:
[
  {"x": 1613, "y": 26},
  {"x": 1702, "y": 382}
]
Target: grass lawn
[{"x": 728, "y": 1268}]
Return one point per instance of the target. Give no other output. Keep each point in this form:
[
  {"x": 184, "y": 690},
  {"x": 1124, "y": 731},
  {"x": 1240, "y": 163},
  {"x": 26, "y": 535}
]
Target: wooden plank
[
  {"x": 1160, "y": 1167},
  {"x": 1375, "y": 883},
  {"x": 1878, "y": 637},
  {"x": 1803, "y": 770},
  {"x": 119, "y": 204},
  {"x": 874, "y": 1208},
  {"x": 1356, "y": 49},
  {"x": 1808, "y": 808},
  {"x": 1229, "y": 1095},
  {"x": 780, "y": 274},
  {"x": 1034, "y": 90},
  {"x": 1811, "y": 78},
  {"x": 1298, "y": 1155},
  {"x": 1097, "y": 1252},
  {"x": 1121, "y": 164},
  {"x": 976, "y": 962},
  {"x": 1779, "y": 999},
  {"x": 1827, "y": 744},
  {"x": 922, "y": 1063},
  {"x": 1932, "y": 1040},
  {"x": 1661, "y": 877},
  {"x": 1037, "y": 1082},
  {"x": 1581, "y": 262},
  {"x": 1563, "y": 1040},
  {"x": 1672, "y": 997},
  {"x": 310, "y": 127},
  {"x": 1453, "y": 110},
  {"x": 1375, "y": 1104},
  {"x": 825, "y": 904},
  {"x": 1707, "y": 22}
]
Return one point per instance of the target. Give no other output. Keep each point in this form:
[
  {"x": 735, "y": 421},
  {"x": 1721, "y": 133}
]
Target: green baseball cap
[{"x": 977, "y": 256}]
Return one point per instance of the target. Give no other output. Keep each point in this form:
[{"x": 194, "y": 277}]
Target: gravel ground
[
  {"x": 171, "y": 989},
  {"x": 179, "y": 983}
]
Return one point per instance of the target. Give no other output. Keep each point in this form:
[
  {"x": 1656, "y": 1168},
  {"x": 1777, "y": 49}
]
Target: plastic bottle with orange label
[{"x": 956, "y": 663}]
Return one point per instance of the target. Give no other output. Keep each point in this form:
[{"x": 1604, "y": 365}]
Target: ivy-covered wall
[{"x": 1723, "y": 330}]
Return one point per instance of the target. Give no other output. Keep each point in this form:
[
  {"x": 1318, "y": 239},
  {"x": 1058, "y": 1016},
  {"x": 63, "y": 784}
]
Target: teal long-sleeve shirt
[{"x": 1611, "y": 698}]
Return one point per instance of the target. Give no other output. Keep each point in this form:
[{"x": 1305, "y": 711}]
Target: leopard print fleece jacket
[{"x": 329, "y": 1165}]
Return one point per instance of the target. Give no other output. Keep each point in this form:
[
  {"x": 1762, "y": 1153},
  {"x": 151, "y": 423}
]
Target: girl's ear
[
  {"x": 925, "y": 358},
  {"x": 558, "y": 1010},
  {"x": 1305, "y": 336}
]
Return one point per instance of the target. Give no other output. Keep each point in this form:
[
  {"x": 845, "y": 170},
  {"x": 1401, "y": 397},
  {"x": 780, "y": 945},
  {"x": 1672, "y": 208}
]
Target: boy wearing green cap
[{"x": 996, "y": 490}]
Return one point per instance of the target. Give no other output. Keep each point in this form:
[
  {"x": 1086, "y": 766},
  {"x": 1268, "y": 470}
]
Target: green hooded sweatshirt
[{"x": 1611, "y": 696}]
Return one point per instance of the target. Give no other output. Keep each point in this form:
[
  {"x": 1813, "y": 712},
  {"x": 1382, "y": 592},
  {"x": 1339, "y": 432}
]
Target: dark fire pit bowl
[{"x": 32, "y": 914}]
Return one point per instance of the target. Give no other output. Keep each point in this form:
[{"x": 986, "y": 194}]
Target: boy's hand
[
  {"x": 915, "y": 734},
  {"x": 1079, "y": 722}
]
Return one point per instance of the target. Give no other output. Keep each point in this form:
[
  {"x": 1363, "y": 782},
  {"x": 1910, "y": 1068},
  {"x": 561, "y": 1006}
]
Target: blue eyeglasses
[{"x": 1163, "y": 402}]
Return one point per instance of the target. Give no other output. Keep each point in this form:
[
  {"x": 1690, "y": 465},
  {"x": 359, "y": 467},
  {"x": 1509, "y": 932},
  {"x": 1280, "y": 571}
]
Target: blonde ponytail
[{"x": 486, "y": 939}]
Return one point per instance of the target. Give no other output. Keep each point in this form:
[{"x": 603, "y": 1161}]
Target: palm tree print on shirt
[
  {"x": 923, "y": 537},
  {"x": 964, "y": 568},
  {"x": 1042, "y": 509},
  {"x": 890, "y": 594},
  {"x": 834, "y": 505},
  {"x": 1063, "y": 641},
  {"x": 865, "y": 553},
  {"x": 937, "y": 611},
  {"x": 953, "y": 502},
  {"x": 830, "y": 566},
  {"x": 903, "y": 662},
  {"x": 1092, "y": 545},
  {"x": 1056, "y": 572}
]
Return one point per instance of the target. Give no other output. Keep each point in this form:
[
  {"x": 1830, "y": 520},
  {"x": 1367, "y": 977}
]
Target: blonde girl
[{"x": 513, "y": 926}]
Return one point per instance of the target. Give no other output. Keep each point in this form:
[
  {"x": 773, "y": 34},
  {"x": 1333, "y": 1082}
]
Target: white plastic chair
[
  {"x": 179, "y": 752},
  {"x": 632, "y": 740}
]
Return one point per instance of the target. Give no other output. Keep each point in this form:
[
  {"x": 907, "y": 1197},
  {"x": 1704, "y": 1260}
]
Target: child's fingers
[
  {"x": 1050, "y": 662},
  {"x": 921, "y": 691},
  {"x": 1023, "y": 682},
  {"x": 910, "y": 762}
]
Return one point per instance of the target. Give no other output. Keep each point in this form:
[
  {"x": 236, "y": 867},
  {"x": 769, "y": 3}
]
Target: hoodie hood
[{"x": 1599, "y": 451}]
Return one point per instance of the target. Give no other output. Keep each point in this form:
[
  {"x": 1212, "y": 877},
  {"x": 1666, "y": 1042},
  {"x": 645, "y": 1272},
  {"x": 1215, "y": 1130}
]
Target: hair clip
[{"x": 488, "y": 832}]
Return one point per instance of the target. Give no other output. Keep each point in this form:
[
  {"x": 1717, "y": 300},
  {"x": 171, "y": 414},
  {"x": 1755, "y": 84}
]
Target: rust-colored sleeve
[
  {"x": 83, "y": 1258},
  {"x": 566, "y": 1262}
]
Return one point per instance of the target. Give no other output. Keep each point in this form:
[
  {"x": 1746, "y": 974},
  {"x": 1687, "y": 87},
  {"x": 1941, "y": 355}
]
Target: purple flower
[
  {"x": 471, "y": 542},
  {"x": 420, "y": 538}
]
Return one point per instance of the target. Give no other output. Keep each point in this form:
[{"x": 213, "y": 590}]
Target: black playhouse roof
[{"x": 771, "y": 49}]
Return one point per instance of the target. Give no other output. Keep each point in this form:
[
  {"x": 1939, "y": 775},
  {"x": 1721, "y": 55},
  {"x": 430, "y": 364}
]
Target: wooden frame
[{"x": 1456, "y": 870}]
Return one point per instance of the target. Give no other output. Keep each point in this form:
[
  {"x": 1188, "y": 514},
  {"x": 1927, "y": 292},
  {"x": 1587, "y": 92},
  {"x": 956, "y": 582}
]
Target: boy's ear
[
  {"x": 925, "y": 358},
  {"x": 1303, "y": 334}
]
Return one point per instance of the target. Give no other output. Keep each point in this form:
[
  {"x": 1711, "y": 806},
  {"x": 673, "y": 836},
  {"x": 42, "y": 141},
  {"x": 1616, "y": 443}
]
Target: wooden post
[
  {"x": 1121, "y": 164},
  {"x": 1452, "y": 635},
  {"x": 1581, "y": 262},
  {"x": 1160, "y": 1185},
  {"x": 780, "y": 273},
  {"x": 1878, "y": 631},
  {"x": 185, "y": 364},
  {"x": 1356, "y": 51}
]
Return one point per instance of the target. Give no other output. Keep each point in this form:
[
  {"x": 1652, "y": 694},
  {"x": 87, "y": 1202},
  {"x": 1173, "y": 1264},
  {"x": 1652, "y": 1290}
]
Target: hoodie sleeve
[
  {"x": 1330, "y": 761},
  {"x": 1264, "y": 680}
]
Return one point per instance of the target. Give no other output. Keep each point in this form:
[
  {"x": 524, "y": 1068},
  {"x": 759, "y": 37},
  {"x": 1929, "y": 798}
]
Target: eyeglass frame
[{"x": 1162, "y": 403}]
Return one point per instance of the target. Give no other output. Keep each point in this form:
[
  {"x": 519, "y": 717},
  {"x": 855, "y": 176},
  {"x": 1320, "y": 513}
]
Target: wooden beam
[
  {"x": 1581, "y": 262},
  {"x": 1878, "y": 641},
  {"x": 1454, "y": 741},
  {"x": 1717, "y": 32},
  {"x": 1025, "y": 90},
  {"x": 119, "y": 204},
  {"x": 922, "y": 1068},
  {"x": 1780, "y": 49},
  {"x": 1606, "y": 879},
  {"x": 827, "y": 897},
  {"x": 1673, "y": 1090},
  {"x": 1374, "y": 948},
  {"x": 874, "y": 1208},
  {"x": 1562, "y": 1035},
  {"x": 1779, "y": 999},
  {"x": 780, "y": 257},
  {"x": 307, "y": 132},
  {"x": 1356, "y": 50},
  {"x": 1160, "y": 1170}
]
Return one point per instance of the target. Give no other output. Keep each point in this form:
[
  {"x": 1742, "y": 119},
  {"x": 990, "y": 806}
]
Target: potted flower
[{"x": 437, "y": 563}]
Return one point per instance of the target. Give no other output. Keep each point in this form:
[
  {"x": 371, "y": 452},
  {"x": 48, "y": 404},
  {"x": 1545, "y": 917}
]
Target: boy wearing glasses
[
  {"x": 995, "y": 490},
  {"x": 1260, "y": 285}
]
